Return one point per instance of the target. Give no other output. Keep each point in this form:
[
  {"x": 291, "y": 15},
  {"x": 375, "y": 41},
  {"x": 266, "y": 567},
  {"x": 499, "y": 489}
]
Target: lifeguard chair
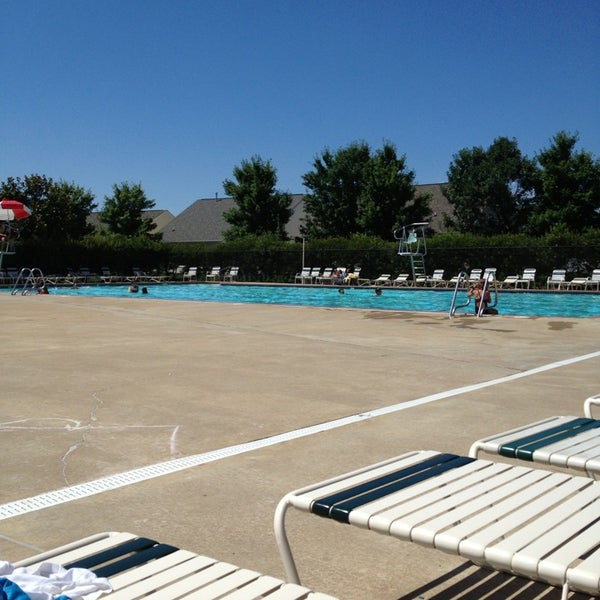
[
  {"x": 413, "y": 244},
  {"x": 8, "y": 235},
  {"x": 11, "y": 211}
]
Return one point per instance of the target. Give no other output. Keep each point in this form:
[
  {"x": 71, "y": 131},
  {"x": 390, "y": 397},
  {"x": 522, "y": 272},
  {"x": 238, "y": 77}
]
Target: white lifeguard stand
[
  {"x": 413, "y": 244},
  {"x": 7, "y": 239}
]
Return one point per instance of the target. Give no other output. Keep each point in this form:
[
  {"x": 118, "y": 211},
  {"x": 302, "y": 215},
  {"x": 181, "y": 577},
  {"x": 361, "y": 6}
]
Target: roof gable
[{"x": 203, "y": 220}]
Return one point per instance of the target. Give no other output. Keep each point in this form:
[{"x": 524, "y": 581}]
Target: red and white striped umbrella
[{"x": 13, "y": 210}]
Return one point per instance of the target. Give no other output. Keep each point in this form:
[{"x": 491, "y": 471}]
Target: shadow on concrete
[{"x": 469, "y": 582}]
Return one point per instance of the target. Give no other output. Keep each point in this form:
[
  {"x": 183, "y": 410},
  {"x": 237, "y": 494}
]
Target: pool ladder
[
  {"x": 462, "y": 281},
  {"x": 28, "y": 281}
]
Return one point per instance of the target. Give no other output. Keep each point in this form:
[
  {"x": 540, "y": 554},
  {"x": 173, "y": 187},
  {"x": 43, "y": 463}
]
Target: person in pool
[{"x": 481, "y": 298}]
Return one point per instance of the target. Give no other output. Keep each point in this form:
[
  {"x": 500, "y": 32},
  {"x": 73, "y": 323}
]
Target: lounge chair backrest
[
  {"x": 529, "y": 274},
  {"x": 490, "y": 273}
]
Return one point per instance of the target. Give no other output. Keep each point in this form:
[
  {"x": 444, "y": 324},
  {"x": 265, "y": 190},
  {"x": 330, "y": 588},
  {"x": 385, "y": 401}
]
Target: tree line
[
  {"x": 352, "y": 191},
  {"x": 355, "y": 191}
]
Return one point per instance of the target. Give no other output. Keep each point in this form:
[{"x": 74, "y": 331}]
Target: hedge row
[{"x": 271, "y": 260}]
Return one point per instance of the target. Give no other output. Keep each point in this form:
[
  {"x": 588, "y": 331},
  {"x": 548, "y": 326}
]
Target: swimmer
[
  {"x": 341, "y": 291},
  {"x": 133, "y": 289},
  {"x": 377, "y": 291},
  {"x": 144, "y": 290}
]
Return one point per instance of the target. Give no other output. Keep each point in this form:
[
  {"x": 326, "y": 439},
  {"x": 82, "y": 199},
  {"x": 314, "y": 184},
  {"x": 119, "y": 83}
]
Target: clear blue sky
[{"x": 172, "y": 94}]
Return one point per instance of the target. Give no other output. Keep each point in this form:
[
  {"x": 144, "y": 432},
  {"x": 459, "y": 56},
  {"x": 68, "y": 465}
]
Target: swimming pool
[{"x": 509, "y": 303}]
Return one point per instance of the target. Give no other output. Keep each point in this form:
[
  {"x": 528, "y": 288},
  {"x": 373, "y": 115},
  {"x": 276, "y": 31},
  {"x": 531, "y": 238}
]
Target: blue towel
[{"x": 9, "y": 590}]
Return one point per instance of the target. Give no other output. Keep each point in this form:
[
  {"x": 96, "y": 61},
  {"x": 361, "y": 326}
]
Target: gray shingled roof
[
  {"x": 439, "y": 205},
  {"x": 203, "y": 220},
  {"x": 160, "y": 217}
]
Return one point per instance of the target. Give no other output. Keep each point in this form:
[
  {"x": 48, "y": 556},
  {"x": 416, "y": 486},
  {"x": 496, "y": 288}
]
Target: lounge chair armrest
[{"x": 587, "y": 405}]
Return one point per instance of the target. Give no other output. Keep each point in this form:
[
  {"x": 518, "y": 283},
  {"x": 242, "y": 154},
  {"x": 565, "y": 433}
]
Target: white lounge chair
[
  {"x": 141, "y": 276},
  {"x": 314, "y": 273},
  {"x": 490, "y": 274},
  {"x": 360, "y": 280},
  {"x": 527, "y": 279},
  {"x": 214, "y": 274},
  {"x": 510, "y": 281},
  {"x": 534, "y": 523},
  {"x": 567, "y": 442},
  {"x": 137, "y": 567},
  {"x": 304, "y": 274},
  {"x": 556, "y": 280},
  {"x": 437, "y": 279},
  {"x": 577, "y": 283},
  {"x": 191, "y": 274},
  {"x": 383, "y": 279},
  {"x": 401, "y": 280},
  {"x": 106, "y": 276},
  {"x": 594, "y": 280},
  {"x": 474, "y": 275},
  {"x": 232, "y": 274},
  {"x": 325, "y": 277}
]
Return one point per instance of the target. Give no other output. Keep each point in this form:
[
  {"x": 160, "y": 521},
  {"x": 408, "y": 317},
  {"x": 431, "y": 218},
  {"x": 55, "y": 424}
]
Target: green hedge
[{"x": 271, "y": 260}]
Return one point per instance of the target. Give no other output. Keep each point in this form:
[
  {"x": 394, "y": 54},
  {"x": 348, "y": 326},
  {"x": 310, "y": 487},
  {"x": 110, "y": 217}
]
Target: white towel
[{"x": 49, "y": 580}]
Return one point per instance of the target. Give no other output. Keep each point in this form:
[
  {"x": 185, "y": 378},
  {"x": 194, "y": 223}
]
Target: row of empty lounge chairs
[
  {"x": 214, "y": 274},
  {"x": 536, "y": 523}
]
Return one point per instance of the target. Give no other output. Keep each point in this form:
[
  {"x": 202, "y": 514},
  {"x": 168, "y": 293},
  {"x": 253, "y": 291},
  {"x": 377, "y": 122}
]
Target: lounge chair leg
[
  {"x": 285, "y": 551},
  {"x": 565, "y": 591}
]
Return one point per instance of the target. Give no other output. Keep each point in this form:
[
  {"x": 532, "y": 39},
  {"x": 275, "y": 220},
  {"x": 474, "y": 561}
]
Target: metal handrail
[
  {"x": 462, "y": 275},
  {"x": 486, "y": 287},
  {"x": 28, "y": 277}
]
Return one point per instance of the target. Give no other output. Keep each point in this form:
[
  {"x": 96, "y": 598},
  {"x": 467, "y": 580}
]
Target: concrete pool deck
[{"x": 94, "y": 387}]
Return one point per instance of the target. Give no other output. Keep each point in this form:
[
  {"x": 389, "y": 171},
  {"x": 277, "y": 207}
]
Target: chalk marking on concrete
[{"x": 90, "y": 488}]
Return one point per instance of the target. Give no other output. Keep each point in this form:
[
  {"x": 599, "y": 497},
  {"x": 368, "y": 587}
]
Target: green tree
[
  {"x": 491, "y": 190},
  {"x": 569, "y": 193},
  {"x": 260, "y": 208},
  {"x": 388, "y": 199},
  {"x": 356, "y": 193},
  {"x": 59, "y": 209},
  {"x": 336, "y": 184},
  {"x": 123, "y": 211}
]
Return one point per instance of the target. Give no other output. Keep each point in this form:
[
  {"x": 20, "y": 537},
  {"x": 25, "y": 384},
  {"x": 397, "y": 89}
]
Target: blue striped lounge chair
[
  {"x": 137, "y": 567},
  {"x": 530, "y": 522}
]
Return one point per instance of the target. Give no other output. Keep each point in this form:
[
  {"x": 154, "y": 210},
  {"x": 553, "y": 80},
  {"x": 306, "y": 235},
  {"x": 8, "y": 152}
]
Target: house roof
[
  {"x": 203, "y": 220},
  {"x": 161, "y": 218},
  {"x": 438, "y": 205}
]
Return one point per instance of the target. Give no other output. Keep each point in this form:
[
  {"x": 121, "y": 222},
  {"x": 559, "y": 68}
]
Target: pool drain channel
[{"x": 105, "y": 484}]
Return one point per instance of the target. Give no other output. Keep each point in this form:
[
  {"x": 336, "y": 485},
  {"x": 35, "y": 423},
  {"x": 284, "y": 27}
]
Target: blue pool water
[{"x": 509, "y": 303}]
